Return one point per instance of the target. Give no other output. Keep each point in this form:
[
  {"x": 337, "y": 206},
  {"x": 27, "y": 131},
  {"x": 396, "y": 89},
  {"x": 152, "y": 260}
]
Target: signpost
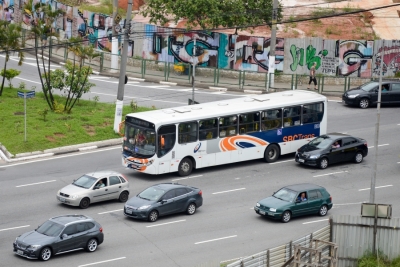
[{"x": 26, "y": 95}]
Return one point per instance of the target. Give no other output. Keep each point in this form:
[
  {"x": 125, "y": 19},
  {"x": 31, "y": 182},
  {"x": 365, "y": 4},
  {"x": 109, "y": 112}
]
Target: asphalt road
[{"x": 225, "y": 227}]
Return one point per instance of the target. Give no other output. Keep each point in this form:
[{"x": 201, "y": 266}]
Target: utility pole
[
  {"x": 271, "y": 63},
  {"x": 194, "y": 68},
  {"x": 121, "y": 83},
  {"x": 114, "y": 38},
  {"x": 378, "y": 117}
]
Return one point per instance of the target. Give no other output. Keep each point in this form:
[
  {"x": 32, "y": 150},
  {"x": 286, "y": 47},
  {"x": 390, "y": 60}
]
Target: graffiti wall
[
  {"x": 390, "y": 51},
  {"x": 355, "y": 57}
]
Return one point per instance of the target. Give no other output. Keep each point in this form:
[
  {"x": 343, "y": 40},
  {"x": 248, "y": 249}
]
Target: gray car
[
  {"x": 95, "y": 187},
  {"x": 59, "y": 235}
]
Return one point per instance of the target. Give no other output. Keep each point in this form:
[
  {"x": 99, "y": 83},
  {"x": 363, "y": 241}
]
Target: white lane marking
[
  {"x": 283, "y": 161},
  {"x": 379, "y": 145},
  {"x": 109, "y": 211},
  {"x": 102, "y": 262},
  {"x": 190, "y": 177},
  {"x": 316, "y": 221},
  {"x": 142, "y": 98},
  {"x": 217, "y": 93},
  {"x": 211, "y": 240},
  {"x": 228, "y": 191},
  {"x": 354, "y": 203},
  {"x": 338, "y": 101},
  {"x": 60, "y": 157},
  {"x": 329, "y": 173},
  {"x": 6, "y": 229},
  {"x": 398, "y": 162},
  {"x": 26, "y": 80},
  {"x": 36, "y": 183},
  {"x": 383, "y": 186},
  {"x": 98, "y": 77},
  {"x": 165, "y": 223}
]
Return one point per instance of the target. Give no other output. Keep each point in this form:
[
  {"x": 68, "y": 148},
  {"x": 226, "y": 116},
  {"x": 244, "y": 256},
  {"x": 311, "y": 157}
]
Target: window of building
[
  {"x": 208, "y": 129},
  {"x": 227, "y": 126}
]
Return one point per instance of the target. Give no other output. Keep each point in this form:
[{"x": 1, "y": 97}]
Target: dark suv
[
  {"x": 367, "y": 94},
  {"x": 164, "y": 199},
  {"x": 60, "y": 235}
]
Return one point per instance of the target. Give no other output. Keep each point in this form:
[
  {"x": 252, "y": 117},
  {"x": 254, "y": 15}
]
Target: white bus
[{"x": 192, "y": 137}]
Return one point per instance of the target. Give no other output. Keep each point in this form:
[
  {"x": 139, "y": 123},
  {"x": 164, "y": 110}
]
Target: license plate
[
  {"x": 20, "y": 252},
  {"x": 270, "y": 213},
  {"x": 262, "y": 212},
  {"x": 301, "y": 160},
  {"x": 62, "y": 199},
  {"x": 128, "y": 211}
]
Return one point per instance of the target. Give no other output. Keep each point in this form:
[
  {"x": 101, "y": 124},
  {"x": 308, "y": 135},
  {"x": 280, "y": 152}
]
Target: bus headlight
[{"x": 149, "y": 162}]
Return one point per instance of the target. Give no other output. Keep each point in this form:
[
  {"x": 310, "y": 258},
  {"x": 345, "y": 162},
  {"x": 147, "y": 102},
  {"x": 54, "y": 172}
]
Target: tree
[
  {"x": 41, "y": 29},
  {"x": 211, "y": 13},
  {"x": 75, "y": 82},
  {"x": 10, "y": 41},
  {"x": 9, "y": 75}
]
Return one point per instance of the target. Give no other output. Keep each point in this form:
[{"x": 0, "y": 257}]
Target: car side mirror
[
  {"x": 163, "y": 201},
  {"x": 64, "y": 236},
  {"x": 96, "y": 187},
  {"x": 298, "y": 201}
]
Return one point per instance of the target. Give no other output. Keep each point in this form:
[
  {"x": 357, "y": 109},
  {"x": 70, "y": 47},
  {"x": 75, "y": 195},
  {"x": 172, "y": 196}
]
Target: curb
[
  {"x": 10, "y": 158},
  {"x": 218, "y": 88},
  {"x": 253, "y": 92}
]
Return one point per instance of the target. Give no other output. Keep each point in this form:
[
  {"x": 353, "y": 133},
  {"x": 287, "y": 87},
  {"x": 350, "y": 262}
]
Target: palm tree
[{"x": 11, "y": 41}]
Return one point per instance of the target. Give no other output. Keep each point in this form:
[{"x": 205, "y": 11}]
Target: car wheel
[
  {"x": 271, "y": 154},
  {"x": 45, "y": 254},
  {"x": 185, "y": 167},
  {"x": 84, "y": 203},
  {"x": 153, "y": 216},
  {"x": 286, "y": 216},
  {"x": 358, "y": 157},
  {"x": 191, "y": 209},
  {"x": 323, "y": 210},
  {"x": 123, "y": 197},
  {"x": 323, "y": 163},
  {"x": 91, "y": 245},
  {"x": 364, "y": 103}
]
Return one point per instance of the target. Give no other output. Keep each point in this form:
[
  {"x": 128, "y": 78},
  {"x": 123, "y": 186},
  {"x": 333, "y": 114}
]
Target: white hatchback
[{"x": 95, "y": 187}]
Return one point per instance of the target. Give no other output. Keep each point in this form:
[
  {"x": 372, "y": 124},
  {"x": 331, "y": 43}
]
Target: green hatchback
[{"x": 295, "y": 200}]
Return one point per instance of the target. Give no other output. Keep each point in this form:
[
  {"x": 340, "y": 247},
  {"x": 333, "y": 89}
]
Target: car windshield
[
  {"x": 85, "y": 181},
  {"x": 152, "y": 193},
  {"x": 50, "y": 228},
  {"x": 369, "y": 86},
  {"x": 141, "y": 142},
  {"x": 321, "y": 142},
  {"x": 285, "y": 194}
]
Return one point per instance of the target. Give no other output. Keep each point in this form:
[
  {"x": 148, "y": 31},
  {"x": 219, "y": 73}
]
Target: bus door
[{"x": 166, "y": 137}]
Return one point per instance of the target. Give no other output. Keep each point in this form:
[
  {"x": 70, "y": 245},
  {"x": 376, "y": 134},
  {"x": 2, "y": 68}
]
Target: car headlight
[
  {"x": 144, "y": 207},
  {"x": 33, "y": 247},
  {"x": 149, "y": 163},
  {"x": 272, "y": 209},
  {"x": 314, "y": 156},
  {"x": 258, "y": 205},
  {"x": 352, "y": 96},
  {"x": 74, "y": 196}
]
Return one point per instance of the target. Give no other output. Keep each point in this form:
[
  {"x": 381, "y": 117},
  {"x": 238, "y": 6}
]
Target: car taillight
[
  {"x": 200, "y": 193},
  {"x": 101, "y": 229},
  {"x": 330, "y": 198},
  {"x": 365, "y": 144}
]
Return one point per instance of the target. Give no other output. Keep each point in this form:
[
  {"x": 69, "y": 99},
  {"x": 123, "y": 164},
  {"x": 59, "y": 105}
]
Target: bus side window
[
  {"x": 271, "y": 119},
  {"x": 313, "y": 113},
  {"x": 166, "y": 139}
]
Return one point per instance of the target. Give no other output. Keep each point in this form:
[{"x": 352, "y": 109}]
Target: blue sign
[{"x": 29, "y": 94}]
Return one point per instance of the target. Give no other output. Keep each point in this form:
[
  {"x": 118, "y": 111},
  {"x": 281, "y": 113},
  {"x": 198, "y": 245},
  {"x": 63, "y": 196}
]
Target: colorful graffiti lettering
[
  {"x": 391, "y": 60},
  {"x": 308, "y": 59},
  {"x": 355, "y": 57}
]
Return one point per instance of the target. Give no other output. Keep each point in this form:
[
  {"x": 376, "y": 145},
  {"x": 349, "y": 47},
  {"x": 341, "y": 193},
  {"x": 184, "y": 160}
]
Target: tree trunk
[{"x": 4, "y": 72}]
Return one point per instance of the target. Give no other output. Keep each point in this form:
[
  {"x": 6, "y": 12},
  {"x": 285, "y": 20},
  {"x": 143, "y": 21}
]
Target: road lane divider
[
  {"x": 190, "y": 177},
  {"x": 12, "y": 228},
  {"x": 228, "y": 191},
  {"x": 36, "y": 183},
  {"x": 99, "y": 262},
  {"x": 330, "y": 173},
  {"x": 281, "y": 161},
  {"x": 160, "y": 224},
  {"x": 110, "y": 211},
  {"x": 216, "y": 239},
  {"x": 376, "y": 187},
  {"x": 316, "y": 221},
  {"x": 378, "y": 145}
]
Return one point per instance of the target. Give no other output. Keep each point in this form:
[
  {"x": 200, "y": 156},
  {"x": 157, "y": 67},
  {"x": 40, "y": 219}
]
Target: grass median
[{"x": 89, "y": 121}]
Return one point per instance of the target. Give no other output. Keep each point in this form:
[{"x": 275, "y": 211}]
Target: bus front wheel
[
  {"x": 185, "y": 167},
  {"x": 271, "y": 154}
]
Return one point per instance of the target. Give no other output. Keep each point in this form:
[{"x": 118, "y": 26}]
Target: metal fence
[{"x": 276, "y": 257}]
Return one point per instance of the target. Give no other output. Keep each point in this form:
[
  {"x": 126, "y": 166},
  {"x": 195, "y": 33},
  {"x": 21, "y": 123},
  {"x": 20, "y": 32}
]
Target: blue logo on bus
[{"x": 197, "y": 147}]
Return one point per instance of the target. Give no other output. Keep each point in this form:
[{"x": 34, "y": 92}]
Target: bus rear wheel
[
  {"x": 185, "y": 167},
  {"x": 271, "y": 154}
]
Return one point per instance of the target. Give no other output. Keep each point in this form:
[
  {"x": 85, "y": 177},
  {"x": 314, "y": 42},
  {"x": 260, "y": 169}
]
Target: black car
[
  {"x": 60, "y": 235},
  {"x": 367, "y": 94},
  {"x": 332, "y": 148},
  {"x": 163, "y": 199}
]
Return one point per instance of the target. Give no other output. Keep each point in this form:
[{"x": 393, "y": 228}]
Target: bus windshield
[{"x": 139, "y": 141}]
